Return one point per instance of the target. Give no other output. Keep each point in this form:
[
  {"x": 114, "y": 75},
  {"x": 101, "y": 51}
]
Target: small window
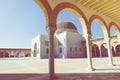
[
  {"x": 75, "y": 49},
  {"x": 60, "y": 50},
  {"x": 47, "y": 51},
  {"x": 80, "y": 49},
  {"x": 46, "y": 43},
  {"x": 70, "y": 49}
]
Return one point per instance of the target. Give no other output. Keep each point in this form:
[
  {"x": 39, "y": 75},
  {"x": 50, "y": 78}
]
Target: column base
[
  {"x": 53, "y": 78},
  {"x": 110, "y": 64},
  {"x": 49, "y": 78},
  {"x": 91, "y": 69}
]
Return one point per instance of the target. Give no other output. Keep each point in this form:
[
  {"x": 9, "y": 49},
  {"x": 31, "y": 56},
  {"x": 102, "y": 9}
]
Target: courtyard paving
[{"x": 65, "y": 69}]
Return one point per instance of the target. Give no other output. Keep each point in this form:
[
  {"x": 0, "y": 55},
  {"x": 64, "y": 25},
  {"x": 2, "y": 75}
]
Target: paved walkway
[{"x": 65, "y": 69}]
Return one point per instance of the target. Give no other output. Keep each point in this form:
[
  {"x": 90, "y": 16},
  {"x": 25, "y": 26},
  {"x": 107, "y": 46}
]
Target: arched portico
[
  {"x": 51, "y": 13},
  {"x": 82, "y": 18},
  {"x": 106, "y": 34}
]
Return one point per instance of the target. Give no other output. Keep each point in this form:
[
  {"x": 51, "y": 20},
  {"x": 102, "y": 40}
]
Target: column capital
[
  {"x": 87, "y": 35},
  {"x": 118, "y": 38},
  {"x": 107, "y": 37},
  {"x": 51, "y": 30},
  {"x": 99, "y": 47}
]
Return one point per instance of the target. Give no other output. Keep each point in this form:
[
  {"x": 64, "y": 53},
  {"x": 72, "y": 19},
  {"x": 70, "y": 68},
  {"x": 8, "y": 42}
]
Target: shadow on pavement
[{"x": 62, "y": 76}]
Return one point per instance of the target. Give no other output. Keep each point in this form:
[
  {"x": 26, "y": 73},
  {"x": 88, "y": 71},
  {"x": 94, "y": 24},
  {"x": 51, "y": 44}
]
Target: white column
[
  {"x": 51, "y": 31},
  {"x": 89, "y": 55},
  {"x": 100, "y": 51},
  {"x": 109, "y": 49},
  {"x": 114, "y": 49}
]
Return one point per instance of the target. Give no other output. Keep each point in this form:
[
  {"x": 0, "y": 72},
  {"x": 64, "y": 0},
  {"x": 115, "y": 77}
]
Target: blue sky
[{"x": 22, "y": 20}]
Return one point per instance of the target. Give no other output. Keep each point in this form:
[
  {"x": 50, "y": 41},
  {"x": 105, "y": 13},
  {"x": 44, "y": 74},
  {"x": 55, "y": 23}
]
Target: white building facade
[{"x": 68, "y": 43}]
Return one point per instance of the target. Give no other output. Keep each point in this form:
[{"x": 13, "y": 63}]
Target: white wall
[
  {"x": 61, "y": 38},
  {"x": 73, "y": 40}
]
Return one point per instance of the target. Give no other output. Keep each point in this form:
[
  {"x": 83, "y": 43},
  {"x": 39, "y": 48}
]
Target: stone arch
[
  {"x": 116, "y": 28},
  {"x": 47, "y": 11},
  {"x": 75, "y": 10},
  {"x": 101, "y": 22}
]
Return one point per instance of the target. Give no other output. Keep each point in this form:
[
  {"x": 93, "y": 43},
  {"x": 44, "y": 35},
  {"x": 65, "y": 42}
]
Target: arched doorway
[
  {"x": 104, "y": 52},
  {"x": 118, "y": 50},
  {"x": 95, "y": 51}
]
